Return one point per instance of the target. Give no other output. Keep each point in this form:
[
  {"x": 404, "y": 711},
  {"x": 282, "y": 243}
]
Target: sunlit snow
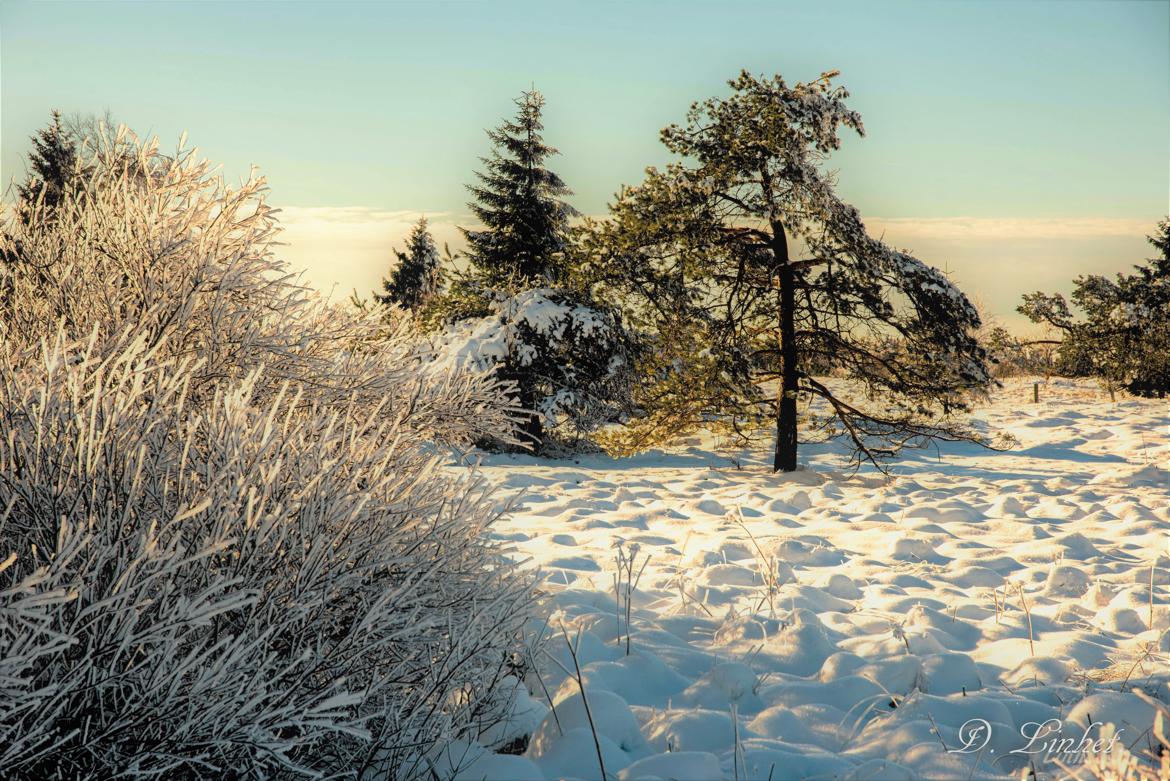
[{"x": 831, "y": 624}]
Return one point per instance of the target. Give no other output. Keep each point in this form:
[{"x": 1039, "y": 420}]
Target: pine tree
[
  {"x": 755, "y": 277},
  {"x": 1124, "y": 336},
  {"x": 416, "y": 277},
  {"x": 52, "y": 162},
  {"x": 518, "y": 201}
]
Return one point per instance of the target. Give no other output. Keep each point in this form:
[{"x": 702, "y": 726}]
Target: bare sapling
[
  {"x": 769, "y": 571},
  {"x": 576, "y": 674},
  {"x": 679, "y": 580},
  {"x": 538, "y": 642},
  {"x": 626, "y": 577},
  {"x": 1153, "y": 567},
  {"x": 737, "y": 746},
  {"x": 1028, "y": 615}
]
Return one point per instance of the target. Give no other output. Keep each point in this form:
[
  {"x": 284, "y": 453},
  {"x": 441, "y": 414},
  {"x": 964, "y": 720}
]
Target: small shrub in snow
[
  {"x": 1011, "y": 356},
  {"x": 568, "y": 358}
]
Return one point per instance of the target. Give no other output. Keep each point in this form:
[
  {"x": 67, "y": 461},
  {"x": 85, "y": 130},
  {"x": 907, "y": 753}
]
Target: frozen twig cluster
[{"x": 627, "y": 575}]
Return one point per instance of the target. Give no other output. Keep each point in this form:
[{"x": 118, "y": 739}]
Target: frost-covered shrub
[
  {"x": 235, "y": 586},
  {"x": 228, "y": 544},
  {"x": 158, "y": 246},
  {"x": 569, "y": 358}
]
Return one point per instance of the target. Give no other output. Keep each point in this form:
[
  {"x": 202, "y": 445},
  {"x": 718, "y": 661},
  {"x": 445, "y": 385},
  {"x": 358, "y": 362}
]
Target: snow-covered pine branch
[{"x": 576, "y": 355}]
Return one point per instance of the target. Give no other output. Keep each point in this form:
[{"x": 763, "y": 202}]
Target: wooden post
[{"x": 1035, "y": 393}]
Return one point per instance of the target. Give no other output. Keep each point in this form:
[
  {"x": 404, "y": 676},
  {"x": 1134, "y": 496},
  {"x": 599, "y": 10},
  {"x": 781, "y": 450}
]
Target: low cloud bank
[
  {"x": 994, "y": 260},
  {"x": 1006, "y": 228},
  {"x": 342, "y": 249}
]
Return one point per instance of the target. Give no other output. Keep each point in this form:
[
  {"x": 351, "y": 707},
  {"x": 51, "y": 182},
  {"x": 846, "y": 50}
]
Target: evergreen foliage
[
  {"x": 415, "y": 279},
  {"x": 1124, "y": 335},
  {"x": 568, "y": 357},
  {"x": 520, "y": 306},
  {"x": 519, "y": 202},
  {"x": 1011, "y": 356},
  {"x": 52, "y": 163},
  {"x": 704, "y": 255}
]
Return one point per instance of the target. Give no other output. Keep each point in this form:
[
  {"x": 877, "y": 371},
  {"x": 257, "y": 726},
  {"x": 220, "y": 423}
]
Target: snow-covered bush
[
  {"x": 575, "y": 356},
  {"x": 227, "y": 542}
]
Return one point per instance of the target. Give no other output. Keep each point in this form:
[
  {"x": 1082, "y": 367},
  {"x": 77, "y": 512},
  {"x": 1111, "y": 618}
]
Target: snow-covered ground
[{"x": 832, "y": 624}]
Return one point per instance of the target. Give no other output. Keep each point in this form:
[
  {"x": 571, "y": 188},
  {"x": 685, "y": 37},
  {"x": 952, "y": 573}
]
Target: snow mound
[
  {"x": 611, "y": 717},
  {"x": 676, "y": 766},
  {"x": 1066, "y": 580},
  {"x": 1130, "y": 476},
  {"x": 1124, "y": 710}
]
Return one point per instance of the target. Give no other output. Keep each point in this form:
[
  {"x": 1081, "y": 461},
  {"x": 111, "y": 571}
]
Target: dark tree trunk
[
  {"x": 785, "y": 460},
  {"x": 533, "y": 433},
  {"x": 532, "y": 427}
]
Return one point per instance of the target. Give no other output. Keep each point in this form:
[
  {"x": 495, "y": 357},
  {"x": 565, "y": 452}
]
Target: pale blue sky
[{"x": 1047, "y": 110}]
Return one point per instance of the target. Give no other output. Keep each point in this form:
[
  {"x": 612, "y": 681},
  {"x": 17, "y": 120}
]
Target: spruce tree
[
  {"x": 524, "y": 231},
  {"x": 756, "y": 278},
  {"x": 520, "y": 306},
  {"x": 416, "y": 277},
  {"x": 518, "y": 201},
  {"x": 52, "y": 162}
]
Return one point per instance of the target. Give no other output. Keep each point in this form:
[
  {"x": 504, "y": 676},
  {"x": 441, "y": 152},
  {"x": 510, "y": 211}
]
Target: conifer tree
[
  {"x": 416, "y": 277},
  {"x": 1124, "y": 336},
  {"x": 520, "y": 306},
  {"x": 755, "y": 278},
  {"x": 51, "y": 162},
  {"x": 518, "y": 201}
]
